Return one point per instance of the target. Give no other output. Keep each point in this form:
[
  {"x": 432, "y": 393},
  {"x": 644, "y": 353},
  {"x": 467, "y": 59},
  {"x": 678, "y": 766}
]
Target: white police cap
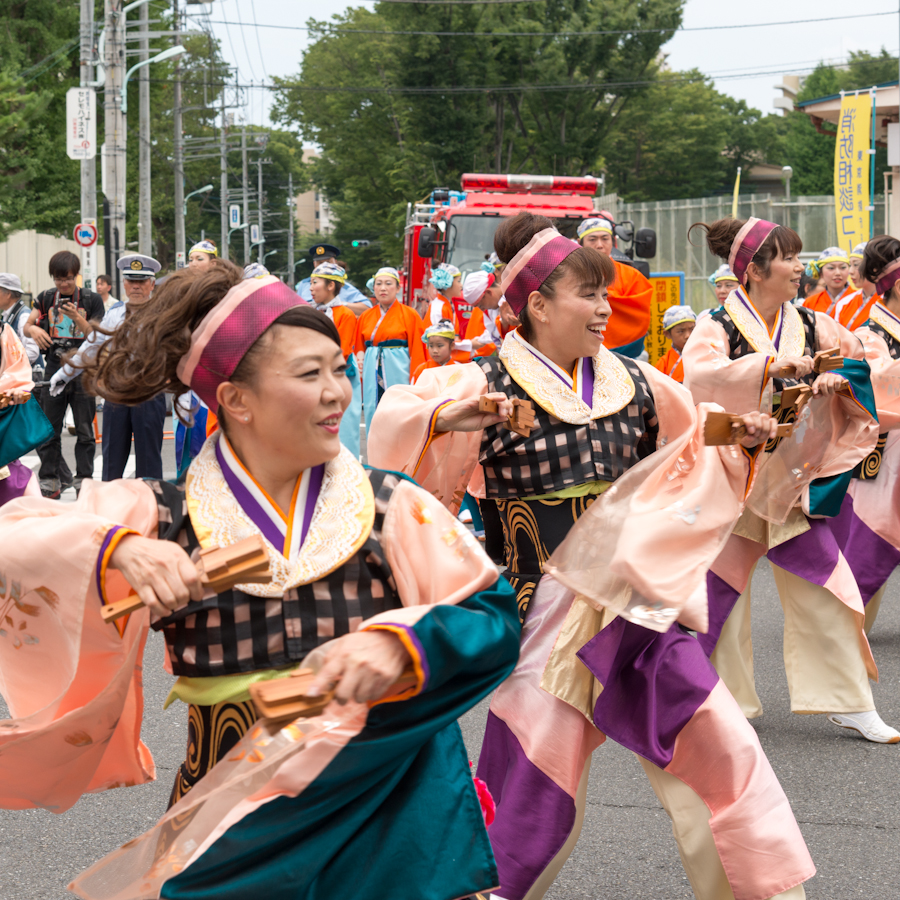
[{"x": 137, "y": 267}]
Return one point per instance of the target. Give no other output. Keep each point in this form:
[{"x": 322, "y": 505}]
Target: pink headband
[
  {"x": 889, "y": 278},
  {"x": 746, "y": 245},
  {"x": 533, "y": 265},
  {"x": 229, "y": 330}
]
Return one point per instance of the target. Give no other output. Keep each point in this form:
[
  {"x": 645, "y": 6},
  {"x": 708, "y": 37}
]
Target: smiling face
[
  {"x": 835, "y": 275},
  {"x": 571, "y": 325},
  {"x": 782, "y": 283},
  {"x": 323, "y": 290},
  {"x": 294, "y": 402},
  {"x": 723, "y": 289},
  {"x": 599, "y": 240},
  {"x": 386, "y": 289}
]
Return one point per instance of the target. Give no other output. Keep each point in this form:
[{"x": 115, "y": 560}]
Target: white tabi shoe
[{"x": 869, "y": 724}]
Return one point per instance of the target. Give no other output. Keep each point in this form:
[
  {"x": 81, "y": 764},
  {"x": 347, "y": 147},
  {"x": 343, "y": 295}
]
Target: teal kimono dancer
[{"x": 394, "y": 814}]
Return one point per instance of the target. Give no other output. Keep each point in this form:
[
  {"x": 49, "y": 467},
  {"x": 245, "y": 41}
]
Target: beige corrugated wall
[{"x": 27, "y": 254}]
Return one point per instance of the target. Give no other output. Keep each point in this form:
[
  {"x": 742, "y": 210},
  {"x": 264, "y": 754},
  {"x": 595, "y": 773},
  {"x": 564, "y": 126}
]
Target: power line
[
  {"x": 514, "y": 88},
  {"x": 244, "y": 39},
  {"x": 335, "y": 29},
  {"x": 262, "y": 58}
]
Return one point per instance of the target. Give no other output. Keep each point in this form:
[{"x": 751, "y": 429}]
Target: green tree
[
  {"x": 20, "y": 115},
  {"x": 398, "y": 114},
  {"x": 39, "y": 44}
]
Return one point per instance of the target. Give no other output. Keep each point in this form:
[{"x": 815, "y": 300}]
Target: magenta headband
[
  {"x": 889, "y": 278},
  {"x": 746, "y": 245},
  {"x": 533, "y": 265},
  {"x": 229, "y": 330}
]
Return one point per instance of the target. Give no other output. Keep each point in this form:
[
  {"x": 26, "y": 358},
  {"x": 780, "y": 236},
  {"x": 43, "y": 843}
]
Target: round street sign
[{"x": 85, "y": 234}]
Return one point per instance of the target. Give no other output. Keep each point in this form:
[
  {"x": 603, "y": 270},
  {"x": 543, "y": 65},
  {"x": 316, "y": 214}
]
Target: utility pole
[
  {"x": 88, "y": 166},
  {"x": 290, "y": 247},
  {"x": 145, "y": 233},
  {"x": 259, "y": 200},
  {"x": 223, "y": 190},
  {"x": 180, "y": 244},
  {"x": 114, "y": 120},
  {"x": 246, "y": 187}
]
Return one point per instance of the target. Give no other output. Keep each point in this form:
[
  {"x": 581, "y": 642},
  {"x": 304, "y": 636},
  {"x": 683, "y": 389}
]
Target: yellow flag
[
  {"x": 851, "y": 171},
  {"x": 737, "y": 187}
]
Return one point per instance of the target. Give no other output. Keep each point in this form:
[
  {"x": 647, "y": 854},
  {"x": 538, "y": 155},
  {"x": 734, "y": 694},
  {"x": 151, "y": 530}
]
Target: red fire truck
[{"x": 458, "y": 226}]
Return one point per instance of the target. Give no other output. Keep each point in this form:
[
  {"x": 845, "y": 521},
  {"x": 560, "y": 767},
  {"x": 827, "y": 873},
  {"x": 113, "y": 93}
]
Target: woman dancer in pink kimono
[
  {"x": 284, "y": 811},
  {"x": 744, "y": 355},
  {"x": 22, "y": 424},
  {"x": 613, "y": 656},
  {"x": 868, "y": 526}
]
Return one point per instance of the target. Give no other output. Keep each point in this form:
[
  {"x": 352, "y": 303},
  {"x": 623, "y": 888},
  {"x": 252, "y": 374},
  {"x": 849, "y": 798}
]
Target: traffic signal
[{"x": 359, "y": 243}]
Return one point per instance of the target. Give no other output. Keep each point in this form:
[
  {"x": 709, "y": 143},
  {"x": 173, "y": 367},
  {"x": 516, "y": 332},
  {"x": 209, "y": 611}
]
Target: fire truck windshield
[{"x": 472, "y": 239}]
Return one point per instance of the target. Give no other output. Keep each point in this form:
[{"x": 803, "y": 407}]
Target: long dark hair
[{"x": 141, "y": 358}]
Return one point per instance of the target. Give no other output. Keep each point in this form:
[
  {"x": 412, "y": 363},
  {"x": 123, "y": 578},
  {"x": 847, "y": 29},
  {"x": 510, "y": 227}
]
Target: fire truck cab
[{"x": 458, "y": 226}]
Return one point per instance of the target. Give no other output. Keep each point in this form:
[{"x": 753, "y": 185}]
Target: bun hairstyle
[
  {"x": 141, "y": 359},
  {"x": 880, "y": 252},
  {"x": 720, "y": 236},
  {"x": 587, "y": 266}
]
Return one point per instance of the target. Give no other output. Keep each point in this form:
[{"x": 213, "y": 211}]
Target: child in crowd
[
  {"x": 440, "y": 340},
  {"x": 678, "y": 323}
]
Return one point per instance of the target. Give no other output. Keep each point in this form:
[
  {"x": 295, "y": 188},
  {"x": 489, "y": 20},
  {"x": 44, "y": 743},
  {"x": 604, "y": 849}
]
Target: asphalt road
[{"x": 842, "y": 788}]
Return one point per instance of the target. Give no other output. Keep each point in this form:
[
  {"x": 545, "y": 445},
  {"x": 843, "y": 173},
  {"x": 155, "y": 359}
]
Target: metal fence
[{"x": 811, "y": 217}]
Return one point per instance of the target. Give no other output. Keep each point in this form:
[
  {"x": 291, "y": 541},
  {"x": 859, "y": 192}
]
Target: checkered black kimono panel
[
  {"x": 739, "y": 346},
  {"x": 558, "y": 455},
  {"x": 235, "y": 632}
]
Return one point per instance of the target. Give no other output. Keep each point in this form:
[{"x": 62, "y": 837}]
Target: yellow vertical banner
[
  {"x": 851, "y": 171},
  {"x": 667, "y": 291}
]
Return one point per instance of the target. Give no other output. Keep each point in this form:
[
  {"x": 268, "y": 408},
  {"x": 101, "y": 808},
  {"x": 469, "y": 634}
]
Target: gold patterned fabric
[
  {"x": 550, "y": 387},
  {"x": 532, "y": 530},
  {"x": 789, "y": 329},
  {"x": 212, "y": 733}
]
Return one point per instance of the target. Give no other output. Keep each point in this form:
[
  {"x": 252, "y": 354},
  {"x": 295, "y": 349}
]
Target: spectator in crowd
[
  {"x": 14, "y": 312},
  {"x": 62, "y": 317},
  {"x": 104, "y": 289},
  {"x": 349, "y": 296},
  {"x": 144, "y": 421}
]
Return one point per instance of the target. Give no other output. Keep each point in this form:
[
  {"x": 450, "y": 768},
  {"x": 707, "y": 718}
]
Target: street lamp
[
  {"x": 786, "y": 174},
  {"x": 204, "y": 190},
  {"x": 166, "y": 54}
]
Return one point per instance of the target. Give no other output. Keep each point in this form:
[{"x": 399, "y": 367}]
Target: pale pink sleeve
[
  {"x": 417, "y": 528},
  {"x": 737, "y": 385},
  {"x": 403, "y": 437},
  {"x": 72, "y": 682},
  {"x": 677, "y": 508},
  {"x": 16, "y": 374},
  {"x": 885, "y": 378},
  {"x": 830, "y": 333}
]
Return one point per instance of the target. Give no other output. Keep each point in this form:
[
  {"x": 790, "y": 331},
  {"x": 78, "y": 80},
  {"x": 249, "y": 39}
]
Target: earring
[{"x": 246, "y": 418}]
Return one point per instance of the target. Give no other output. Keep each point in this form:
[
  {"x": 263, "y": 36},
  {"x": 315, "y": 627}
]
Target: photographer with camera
[{"x": 61, "y": 319}]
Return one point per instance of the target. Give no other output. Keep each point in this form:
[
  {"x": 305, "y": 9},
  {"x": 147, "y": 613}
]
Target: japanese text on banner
[
  {"x": 851, "y": 171},
  {"x": 666, "y": 293}
]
